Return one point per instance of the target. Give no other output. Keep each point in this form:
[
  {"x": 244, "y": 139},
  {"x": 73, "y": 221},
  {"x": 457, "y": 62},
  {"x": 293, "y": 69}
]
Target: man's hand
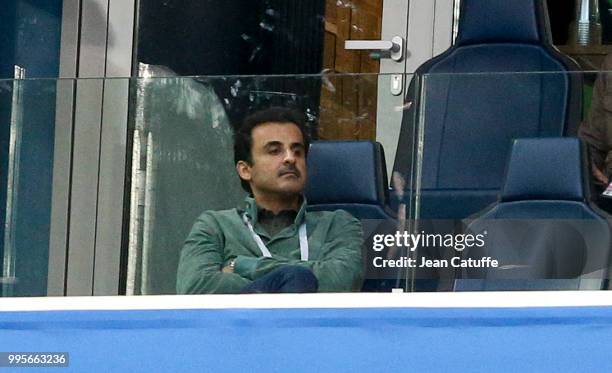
[
  {"x": 227, "y": 269},
  {"x": 600, "y": 175}
]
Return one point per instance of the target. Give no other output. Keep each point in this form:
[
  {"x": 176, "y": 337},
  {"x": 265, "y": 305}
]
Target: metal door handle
[{"x": 395, "y": 46}]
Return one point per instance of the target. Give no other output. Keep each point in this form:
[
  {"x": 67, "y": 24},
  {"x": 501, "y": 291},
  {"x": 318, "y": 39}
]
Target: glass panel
[
  {"x": 452, "y": 164},
  {"x": 27, "y": 108},
  {"x": 182, "y": 159},
  {"x": 181, "y": 166},
  {"x": 499, "y": 165},
  {"x": 180, "y": 163}
]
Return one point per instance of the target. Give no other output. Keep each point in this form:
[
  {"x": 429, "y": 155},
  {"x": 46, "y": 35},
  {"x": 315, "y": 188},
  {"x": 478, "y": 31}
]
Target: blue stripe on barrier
[{"x": 307, "y": 340}]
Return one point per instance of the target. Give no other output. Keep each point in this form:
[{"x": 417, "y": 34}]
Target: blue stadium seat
[
  {"x": 470, "y": 116},
  {"x": 351, "y": 175},
  {"x": 348, "y": 175},
  {"x": 542, "y": 230}
]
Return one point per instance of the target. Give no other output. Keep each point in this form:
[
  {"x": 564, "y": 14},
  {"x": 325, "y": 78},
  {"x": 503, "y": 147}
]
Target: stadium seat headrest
[
  {"x": 500, "y": 21},
  {"x": 545, "y": 169},
  {"x": 345, "y": 172}
]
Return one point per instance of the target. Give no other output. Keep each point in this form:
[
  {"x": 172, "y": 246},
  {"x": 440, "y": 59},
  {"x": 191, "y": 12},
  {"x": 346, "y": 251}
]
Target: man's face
[{"x": 278, "y": 160}]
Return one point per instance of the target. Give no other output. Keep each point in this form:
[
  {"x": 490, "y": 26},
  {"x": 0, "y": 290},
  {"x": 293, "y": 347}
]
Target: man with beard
[{"x": 272, "y": 244}]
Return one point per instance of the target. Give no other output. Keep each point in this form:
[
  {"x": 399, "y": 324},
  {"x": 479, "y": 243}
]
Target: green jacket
[{"x": 334, "y": 239}]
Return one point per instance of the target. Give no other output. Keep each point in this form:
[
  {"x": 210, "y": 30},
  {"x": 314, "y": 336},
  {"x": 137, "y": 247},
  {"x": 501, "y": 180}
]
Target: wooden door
[{"x": 348, "y": 103}]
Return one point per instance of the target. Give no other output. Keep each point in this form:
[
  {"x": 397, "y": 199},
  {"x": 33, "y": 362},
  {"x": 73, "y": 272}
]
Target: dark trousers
[{"x": 286, "y": 279}]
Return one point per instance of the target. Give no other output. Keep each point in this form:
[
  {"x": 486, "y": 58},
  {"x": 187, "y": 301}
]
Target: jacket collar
[{"x": 252, "y": 210}]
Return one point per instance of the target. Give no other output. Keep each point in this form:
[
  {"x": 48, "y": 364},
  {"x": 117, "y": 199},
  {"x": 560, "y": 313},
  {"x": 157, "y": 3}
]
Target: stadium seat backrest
[
  {"x": 542, "y": 230},
  {"x": 502, "y": 79},
  {"x": 351, "y": 176}
]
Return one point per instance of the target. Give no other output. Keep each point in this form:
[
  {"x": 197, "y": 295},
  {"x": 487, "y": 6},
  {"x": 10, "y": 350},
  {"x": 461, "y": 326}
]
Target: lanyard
[{"x": 264, "y": 250}]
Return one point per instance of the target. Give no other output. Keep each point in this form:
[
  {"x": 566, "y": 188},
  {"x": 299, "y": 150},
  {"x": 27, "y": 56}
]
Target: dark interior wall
[
  {"x": 195, "y": 37},
  {"x": 561, "y": 14},
  {"x": 238, "y": 37},
  {"x": 30, "y": 37},
  {"x": 295, "y": 44},
  {"x": 232, "y": 37},
  {"x": 7, "y": 39}
]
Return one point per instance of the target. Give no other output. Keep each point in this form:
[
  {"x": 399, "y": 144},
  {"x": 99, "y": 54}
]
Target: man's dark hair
[{"x": 243, "y": 135}]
